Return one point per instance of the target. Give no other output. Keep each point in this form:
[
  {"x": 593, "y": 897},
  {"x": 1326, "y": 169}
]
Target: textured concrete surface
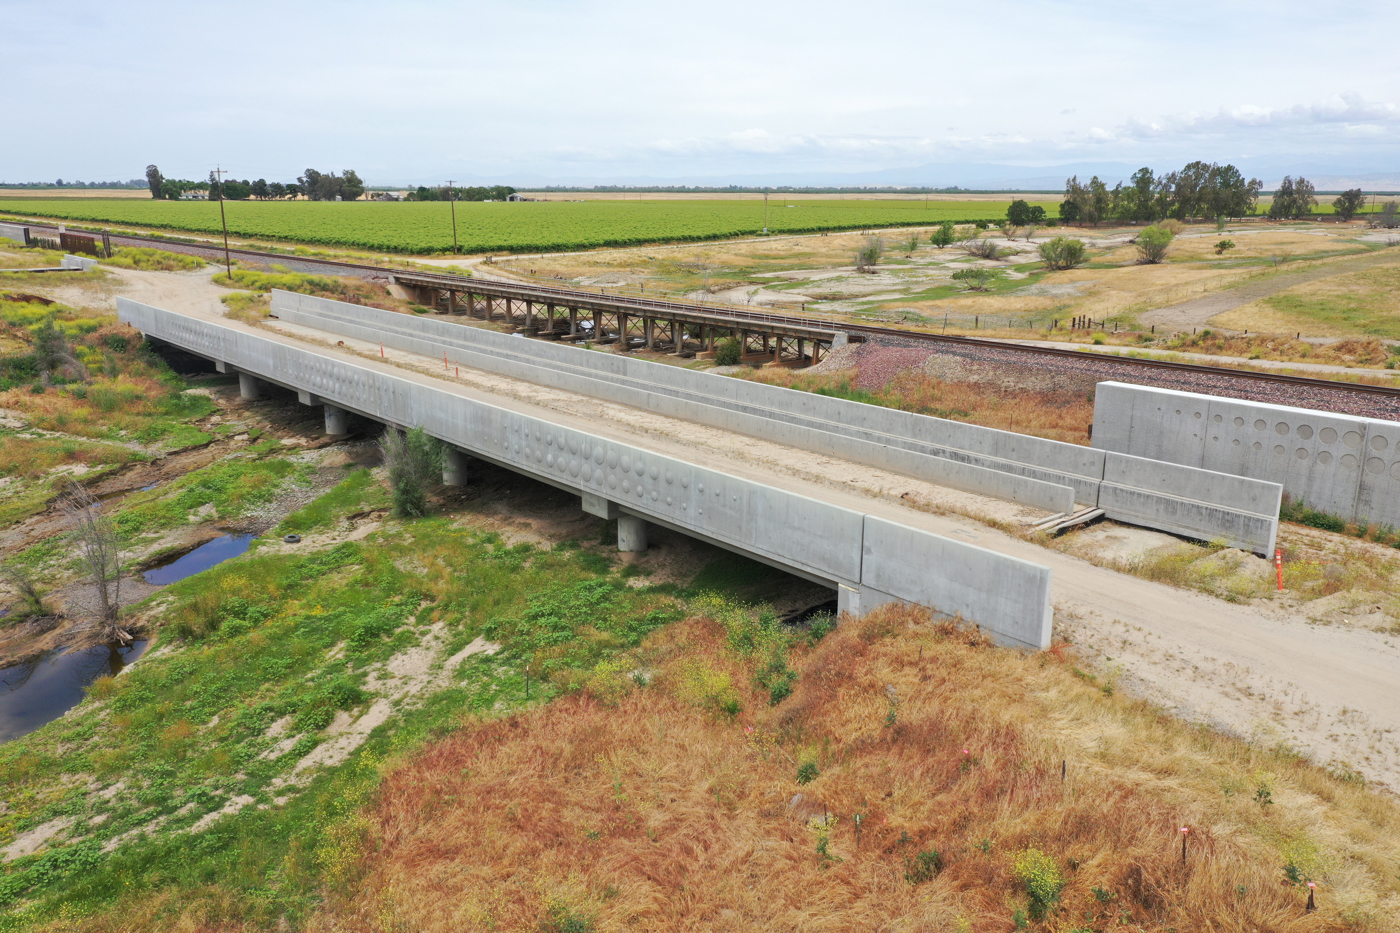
[
  {"x": 1045, "y": 474},
  {"x": 1340, "y": 464},
  {"x": 809, "y": 537},
  {"x": 17, "y": 232},
  {"x": 78, "y": 262}
]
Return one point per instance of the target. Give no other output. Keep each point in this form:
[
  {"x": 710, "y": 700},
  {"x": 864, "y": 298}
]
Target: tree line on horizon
[
  {"x": 315, "y": 185},
  {"x": 1200, "y": 191}
]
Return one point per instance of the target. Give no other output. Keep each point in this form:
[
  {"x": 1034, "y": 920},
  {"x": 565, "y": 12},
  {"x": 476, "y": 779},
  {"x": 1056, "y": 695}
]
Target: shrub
[
  {"x": 414, "y": 461},
  {"x": 1223, "y": 245},
  {"x": 943, "y": 235},
  {"x": 976, "y": 280},
  {"x": 1062, "y": 253},
  {"x": 922, "y": 867},
  {"x": 728, "y": 352},
  {"x": 1043, "y": 881},
  {"x": 982, "y": 249},
  {"x": 1153, "y": 242},
  {"x": 807, "y": 772}
]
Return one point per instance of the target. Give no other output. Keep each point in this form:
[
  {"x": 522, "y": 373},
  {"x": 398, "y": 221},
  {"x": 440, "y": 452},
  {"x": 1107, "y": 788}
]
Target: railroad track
[{"x": 214, "y": 252}]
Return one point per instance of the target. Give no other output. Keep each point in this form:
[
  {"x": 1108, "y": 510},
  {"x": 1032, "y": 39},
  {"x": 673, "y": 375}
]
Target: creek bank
[{"x": 40, "y": 690}]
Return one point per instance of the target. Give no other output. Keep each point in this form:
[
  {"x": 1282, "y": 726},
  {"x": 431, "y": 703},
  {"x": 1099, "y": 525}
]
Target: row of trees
[
  {"x": 314, "y": 185},
  {"x": 455, "y": 193},
  {"x": 1200, "y": 190}
]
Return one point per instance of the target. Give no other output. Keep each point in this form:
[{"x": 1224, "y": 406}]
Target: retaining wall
[
  {"x": 1037, "y": 472},
  {"x": 1340, "y": 464},
  {"x": 17, "y": 232},
  {"x": 78, "y": 262},
  {"x": 809, "y": 537}
]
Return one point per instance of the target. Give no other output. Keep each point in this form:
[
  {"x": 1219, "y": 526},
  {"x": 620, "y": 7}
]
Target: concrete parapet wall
[
  {"x": 17, "y": 232},
  {"x": 968, "y": 582},
  {"x": 78, "y": 262},
  {"x": 1340, "y": 464},
  {"x": 680, "y": 393},
  {"x": 1214, "y": 506},
  {"x": 808, "y": 537}
]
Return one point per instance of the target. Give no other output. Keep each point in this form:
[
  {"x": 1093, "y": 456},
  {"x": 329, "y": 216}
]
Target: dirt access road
[
  {"x": 1260, "y": 669},
  {"x": 1198, "y": 311}
]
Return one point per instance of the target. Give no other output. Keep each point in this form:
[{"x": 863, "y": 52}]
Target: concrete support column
[
  {"x": 597, "y": 323},
  {"x": 529, "y": 314},
  {"x": 549, "y": 316},
  {"x": 248, "y": 387},
  {"x": 677, "y": 337},
  {"x": 454, "y": 467},
  {"x": 816, "y": 353},
  {"x": 801, "y": 349},
  {"x": 765, "y": 343},
  {"x": 622, "y": 330},
  {"x": 648, "y": 327},
  {"x": 573, "y": 322},
  {"x": 631, "y": 533},
  {"x": 451, "y": 302},
  {"x": 847, "y": 600},
  {"x": 337, "y": 420},
  {"x": 709, "y": 340}
]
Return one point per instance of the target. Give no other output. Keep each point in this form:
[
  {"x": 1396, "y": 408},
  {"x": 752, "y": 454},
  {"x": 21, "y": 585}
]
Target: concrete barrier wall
[
  {"x": 1045, "y": 474},
  {"x": 811, "y": 538},
  {"x": 78, "y": 262},
  {"x": 628, "y": 381},
  {"x": 1200, "y": 504},
  {"x": 16, "y": 232},
  {"x": 1340, "y": 464},
  {"x": 968, "y": 582}
]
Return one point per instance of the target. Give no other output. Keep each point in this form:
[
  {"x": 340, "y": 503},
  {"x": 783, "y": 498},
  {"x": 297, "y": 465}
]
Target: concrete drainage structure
[
  {"x": 1340, "y": 464},
  {"x": 1032, "y": 471},
  {"x": 868, "y": 560}
]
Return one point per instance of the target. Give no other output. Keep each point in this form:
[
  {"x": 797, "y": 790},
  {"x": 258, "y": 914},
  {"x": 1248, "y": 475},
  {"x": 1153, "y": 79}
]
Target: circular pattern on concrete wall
[
  {"x": 1178, "y": 412},
  {"x": 1305, "y": 431},
  {"x": 1281, "y": 428},
  {"x": 1198, "y": 416},
  {"x": 1260, "y": 425},
  {"x": 1218, "y": 419},
  {"x": 1395, "y": 470},
  {"x": 612, "y": 459},
  {"x": 626, "y": 485},
  {"x": 549, "y": 460},
  {"x": 598, "y": 454},
  {"x": 1258, "y": 446},
  {"x": 612, "y": 482},
  {"x": 1324, "y": 458},
  {"x": 1239, "y": 422},
  {"x": 1349, "y": 462},
  {"x": 626, "y": 464},
  {"x": 1375, "y": 465},
  {"x": 1351, "y": 439},
  {"x": 1278, "y": 450},
  {"x": 655, "y": 472},
  {"x": 1300, "y": 453},
  {"x": 1327, "y": 435},
  {"x": 1236, "y": 442},
  {"x": 573, "y": 468},
  {"x": 573, "y": 445},
  {"x": 1379, "y": 443},
  {"x": 699, "y": 487}
]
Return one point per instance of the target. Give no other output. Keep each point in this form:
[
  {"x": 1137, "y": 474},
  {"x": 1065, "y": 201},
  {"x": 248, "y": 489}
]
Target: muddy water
[
  {"x": 203, "y": 557},
  {"x": 41, "y": 690}
]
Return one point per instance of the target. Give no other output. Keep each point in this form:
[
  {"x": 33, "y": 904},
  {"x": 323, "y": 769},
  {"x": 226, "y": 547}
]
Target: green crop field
[{"x": 426, "y": 227}]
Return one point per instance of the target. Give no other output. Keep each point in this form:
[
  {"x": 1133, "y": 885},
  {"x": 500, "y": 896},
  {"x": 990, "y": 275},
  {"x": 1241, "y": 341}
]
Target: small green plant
[
  {"x": 1097, "y": 340},
  {"x": 414, "y": 461},
  {"x": 1223, "y": 245},
  {"x": 922, "y": 867},
  {"x": 823, "y": 828},
  {"x": 728, "y": 352},
  {"x": 985, "y": 846},
  {"x": 807, "y": 772},
  {"x": 1043, "y": 881},
  {"x": 1019, "y": 918},
  {"x": 1103, "y": 895}
]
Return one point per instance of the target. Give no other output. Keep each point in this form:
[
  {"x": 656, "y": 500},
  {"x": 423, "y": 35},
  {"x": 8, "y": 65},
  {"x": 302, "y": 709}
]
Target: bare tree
[
  {"x": 32, "y": 605},
  {"x": 99, "y": 552}
]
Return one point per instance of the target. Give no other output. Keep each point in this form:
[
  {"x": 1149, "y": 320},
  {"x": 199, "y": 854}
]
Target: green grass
[
  {"x": 426, "y": 227},
  {"x": 232, "y": 486},
  {"x": 356, "y": 492},
  {"x": 273, "y": 637}
]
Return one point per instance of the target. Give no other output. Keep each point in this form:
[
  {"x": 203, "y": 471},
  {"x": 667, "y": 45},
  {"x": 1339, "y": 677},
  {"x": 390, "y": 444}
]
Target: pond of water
[
  {"x": 201, "y": 558},
  {"x": 42, "y": 690}
]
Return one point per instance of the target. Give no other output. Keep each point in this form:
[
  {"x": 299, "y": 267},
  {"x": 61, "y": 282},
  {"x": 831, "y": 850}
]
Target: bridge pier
[
  {"x": 573, "y": 322},
  {"x": 337, "y": 420},
  {"x": 649, "y": 328},
  {"x": 454, "y": 467},
  {"x": 631, "y": 533},
  {"x": 248, "y": 386},
  {"x": 847, "y": 600}
]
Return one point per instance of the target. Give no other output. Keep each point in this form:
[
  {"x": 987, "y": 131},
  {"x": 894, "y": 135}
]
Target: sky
[{"x": 529, "y": 92}]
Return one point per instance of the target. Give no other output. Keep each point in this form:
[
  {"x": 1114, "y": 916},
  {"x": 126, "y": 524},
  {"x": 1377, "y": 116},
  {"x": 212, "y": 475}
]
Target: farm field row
[{"x": 426, "y": 227}]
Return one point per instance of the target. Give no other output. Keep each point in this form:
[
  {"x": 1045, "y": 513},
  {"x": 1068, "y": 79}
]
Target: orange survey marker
[{"x": 1278, "y": 562}]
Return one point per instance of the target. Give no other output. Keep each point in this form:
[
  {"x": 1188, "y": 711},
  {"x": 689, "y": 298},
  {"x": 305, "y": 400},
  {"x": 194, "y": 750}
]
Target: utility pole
[
  {"x": 452, "y": 199},
  {"x": 228, "y": 264}
]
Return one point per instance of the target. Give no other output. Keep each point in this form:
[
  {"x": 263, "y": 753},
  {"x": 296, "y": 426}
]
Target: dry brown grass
[
  {"x": 649, "y": 811},
  {"x": 1282, "y": 243},
  {"x": 1361, "y": 302},
  {"x": 1061, "y": 415}
]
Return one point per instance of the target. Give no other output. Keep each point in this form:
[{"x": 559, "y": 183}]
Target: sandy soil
[{"x": 1251, "y": 668}]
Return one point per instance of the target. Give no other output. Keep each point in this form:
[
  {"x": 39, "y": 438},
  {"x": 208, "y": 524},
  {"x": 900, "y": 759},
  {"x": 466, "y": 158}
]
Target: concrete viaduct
[
  {"x": 632, "y": 322},
  {"x": 868, "y": 559}
]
